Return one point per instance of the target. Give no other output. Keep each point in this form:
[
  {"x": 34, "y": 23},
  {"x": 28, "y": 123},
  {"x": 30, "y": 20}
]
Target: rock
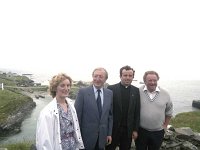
[
  {"x": 184, "y": 133},
  {"x": 189, "y": 146},
  {"x": 13, "y": 122},
  {"x": 196, "y": 103},
  {"x": 41, "y": 96},
  {"x": 33, "y": 147},
  {"x": 173, "y": 139}
]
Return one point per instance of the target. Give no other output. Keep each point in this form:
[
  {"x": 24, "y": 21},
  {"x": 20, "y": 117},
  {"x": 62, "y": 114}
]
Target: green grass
[
  {"x": 7, "y": 82},
  {"x": 10, "y": 102},
  {"x": 18, "y": 146},
  {"x": 187, "y": 119}
]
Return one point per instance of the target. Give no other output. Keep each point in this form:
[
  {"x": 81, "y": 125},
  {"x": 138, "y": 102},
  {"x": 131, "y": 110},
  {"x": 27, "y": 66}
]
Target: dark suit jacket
[
  {"x": 90, "y": 124},
  {"x": 133, "y": 118}
]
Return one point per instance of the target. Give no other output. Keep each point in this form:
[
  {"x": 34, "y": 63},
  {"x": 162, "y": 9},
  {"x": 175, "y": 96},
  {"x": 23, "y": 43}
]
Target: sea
[{"x": 182, "y": 93}]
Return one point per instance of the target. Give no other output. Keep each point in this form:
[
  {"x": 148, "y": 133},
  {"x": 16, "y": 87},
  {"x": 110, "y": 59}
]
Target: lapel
[
  {"x": 105, "y": 101},
  {"x": 92, "y": 100}
]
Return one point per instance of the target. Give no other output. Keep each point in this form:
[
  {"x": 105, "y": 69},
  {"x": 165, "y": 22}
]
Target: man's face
[
  {"x": 127, "y": 77},
  {"x": 99, "y": 78},
  {"x": 151, "y": 82}
]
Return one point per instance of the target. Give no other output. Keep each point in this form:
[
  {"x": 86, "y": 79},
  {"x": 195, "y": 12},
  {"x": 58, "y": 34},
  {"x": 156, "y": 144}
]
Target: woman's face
[{"x": 63, "y": 89}]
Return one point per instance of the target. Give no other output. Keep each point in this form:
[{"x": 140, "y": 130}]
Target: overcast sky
[{"x": 47, "y": 37}]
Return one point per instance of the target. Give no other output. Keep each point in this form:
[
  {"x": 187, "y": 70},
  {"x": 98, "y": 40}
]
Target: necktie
[{"x": 99, "y": 103}]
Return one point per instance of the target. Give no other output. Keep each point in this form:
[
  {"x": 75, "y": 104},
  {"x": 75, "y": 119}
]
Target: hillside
[{"x": 14, "y": 106}]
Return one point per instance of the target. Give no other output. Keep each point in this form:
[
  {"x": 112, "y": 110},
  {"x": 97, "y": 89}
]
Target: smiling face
[
  {"x": 99, "y": 77},
  {"x": 60, "y": 85},
  {"x": 127, "y": 77},
  {"x": 151, "y": 82},
  {"x": 63, "y": 89}
]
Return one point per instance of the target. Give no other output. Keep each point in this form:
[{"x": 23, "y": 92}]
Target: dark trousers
[
  {"x": 149, "y": 140},
  {"x": 97, "y": 146},
  {"x": 120, "y": 139}
]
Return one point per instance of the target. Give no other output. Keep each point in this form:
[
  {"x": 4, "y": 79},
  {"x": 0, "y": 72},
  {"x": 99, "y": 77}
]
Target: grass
[
  {"x": 10, "y": 102},
  {"x": 18, "y": 146},
  {"x": 187, "y": 119}
]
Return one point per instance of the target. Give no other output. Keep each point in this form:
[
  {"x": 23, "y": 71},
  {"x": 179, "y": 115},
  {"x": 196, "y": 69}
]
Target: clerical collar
[{"x": 125, "y": 86}]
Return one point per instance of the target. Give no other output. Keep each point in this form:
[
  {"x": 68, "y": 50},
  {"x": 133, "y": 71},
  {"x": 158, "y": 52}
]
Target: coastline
[{"x": 12, "y": 125}]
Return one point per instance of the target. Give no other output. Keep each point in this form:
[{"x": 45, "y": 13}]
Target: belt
[{"x": 67, "y": 135}]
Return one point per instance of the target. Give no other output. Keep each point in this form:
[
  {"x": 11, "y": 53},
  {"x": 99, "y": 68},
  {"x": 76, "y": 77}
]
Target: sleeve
[
  {"x": 137, "y": 112},
  {"x": 169, "y": 109},
  {"x": 79, "y": 105},
  {"x": 44, "y": 132},
  {"x": 110, "y": 117}
]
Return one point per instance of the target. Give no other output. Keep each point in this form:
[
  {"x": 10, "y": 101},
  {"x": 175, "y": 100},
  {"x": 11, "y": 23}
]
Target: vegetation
[
  {"x": 10, "y": 102},
  {"x": 15, "y": 80},
  {"x": 73, "y": 92},
  {"x": 18, "y": 146},
  {"x": 187, "y": 119}
]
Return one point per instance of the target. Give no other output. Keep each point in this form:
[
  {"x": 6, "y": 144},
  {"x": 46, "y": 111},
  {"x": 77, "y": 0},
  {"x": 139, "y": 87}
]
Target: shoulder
[
  {"x": 164, "y": 91},
  {"x": 134, "y": 87},
  {"x": 50, "y": 105},
  {"x": 108, "y": 91},
  {"x": 113, "y": 86},
  {"x": 85, "y": 89},
  {"x": 70, "y": 101},
  {"x": 48, "y": 109},
  {"x": 141, "y": 88}
]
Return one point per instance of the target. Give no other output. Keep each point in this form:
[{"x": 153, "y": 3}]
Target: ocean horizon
[{"x": 182, "y": 92}]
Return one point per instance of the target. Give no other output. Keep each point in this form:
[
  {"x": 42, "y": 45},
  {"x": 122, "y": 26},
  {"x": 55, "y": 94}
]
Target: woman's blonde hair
[{"x": 55, "y": 81}]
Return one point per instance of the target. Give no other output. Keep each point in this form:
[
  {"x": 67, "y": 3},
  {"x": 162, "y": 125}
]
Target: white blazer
[{"x": 48, "y": 127}]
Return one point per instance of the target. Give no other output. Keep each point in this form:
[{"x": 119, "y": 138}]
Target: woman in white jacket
[{"x": 57, "y": 125}]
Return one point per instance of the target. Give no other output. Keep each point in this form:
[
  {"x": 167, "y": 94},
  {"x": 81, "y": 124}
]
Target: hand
[
  {"x": 134, "y": 135},
  {"x": 165, "y": 127},
  {"x": 109, "y": 140}
]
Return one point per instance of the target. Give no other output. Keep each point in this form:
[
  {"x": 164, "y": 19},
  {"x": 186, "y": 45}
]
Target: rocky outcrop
[
  {"x": 196, "y": 103},
  {"x": 13, "y": 122},
  {"x": 39, "y": 96},
  {"x": 180, "y": 139}
]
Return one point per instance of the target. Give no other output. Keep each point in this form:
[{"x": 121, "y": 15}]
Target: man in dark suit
[
  {"x": 126, "y": 110},
  {"x": 94, "y": 110}
]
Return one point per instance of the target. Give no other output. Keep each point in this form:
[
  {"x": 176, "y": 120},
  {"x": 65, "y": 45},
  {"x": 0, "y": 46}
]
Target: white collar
[{"x": 157, "y": 89}]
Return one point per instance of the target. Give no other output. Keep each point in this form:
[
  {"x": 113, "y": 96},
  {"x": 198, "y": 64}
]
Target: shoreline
[{"x": 14, "y": 121}]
